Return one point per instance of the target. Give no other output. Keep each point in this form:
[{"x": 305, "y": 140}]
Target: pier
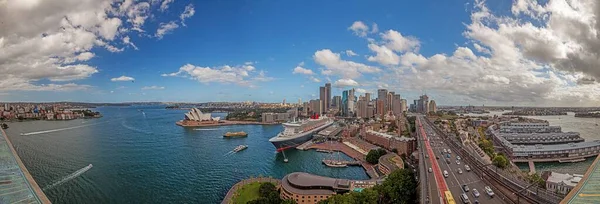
[
  {"x": 16, "y": 184},
  {"x": 348, "y": 163},
  {"x": 342, "y": 147},
  {"x": 531, "y": 167}
]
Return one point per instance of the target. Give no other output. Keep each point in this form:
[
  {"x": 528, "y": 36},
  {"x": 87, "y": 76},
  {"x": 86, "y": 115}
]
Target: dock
[
  {"x": 17, "y": 185},
  {"x": 304, "y": 146},
  {"x": 348, "y": 163},
  {"x": 531, "y": 167},
  {"x": 351, "y": 152}
]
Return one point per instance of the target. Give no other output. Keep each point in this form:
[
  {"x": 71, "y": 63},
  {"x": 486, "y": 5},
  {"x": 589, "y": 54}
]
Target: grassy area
[
  {"x": 448, "y": 117},
  {"x": 247, "y": 193}
]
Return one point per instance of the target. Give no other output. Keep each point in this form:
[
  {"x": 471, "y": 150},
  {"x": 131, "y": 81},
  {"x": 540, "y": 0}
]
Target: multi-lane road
[{"x": 457, "y": 174}]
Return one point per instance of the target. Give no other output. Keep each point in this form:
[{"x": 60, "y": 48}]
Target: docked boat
[
  {"x": 296, "y": 133},
  {"x": 236, "y": 134},
  {"x": 334, "y": 163},
  {"x": 240, "y": 148}
]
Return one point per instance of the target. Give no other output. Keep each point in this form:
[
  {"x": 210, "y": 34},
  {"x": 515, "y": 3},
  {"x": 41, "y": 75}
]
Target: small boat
[
  {"x": 333, "y": 163},
  {"x": 235, "y": 134},
  {"x": 240, "y": 148}
]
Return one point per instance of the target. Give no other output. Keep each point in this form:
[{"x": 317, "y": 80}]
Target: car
[
  {"x": 489, "y": 191},
  {"x": 465, "y": 187},
  {"x": 427, "y": 156},
  {"x": 445, "y": 173},
  {"x": 475, "y": 193},
  {"x": 449, "y": 151},
  {"x": 444, "y": 151},
  {"x": 458, "y": 157},
  {"x": 464, "y": 198},
  {"x": 430, "y": 170},
  {"x": 447, "y": 161},
  {"x": 447, "y": 155},
  {"x": 457, "y": 162},
  {"x": 467, "y": 167},
  {"x": 459, "y": 171},
  {"x": 437, "y": 157}
]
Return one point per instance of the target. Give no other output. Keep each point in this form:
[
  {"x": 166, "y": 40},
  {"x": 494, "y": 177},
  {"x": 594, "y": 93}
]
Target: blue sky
[{"x": 274, "y": 37}]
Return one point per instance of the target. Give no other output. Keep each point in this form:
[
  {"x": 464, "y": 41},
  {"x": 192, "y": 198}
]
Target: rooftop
[
  {"x": 567, "y": 179},
  {"x": 401, "y": 138},
  {"x": 555, "y": 147},
  {"x": 588, "y": 189}
]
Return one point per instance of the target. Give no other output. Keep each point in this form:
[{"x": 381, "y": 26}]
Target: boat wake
[
  {"x": 206, "y": 129},
  {"x": 134, "y": 129},
  {"x": 69, "y": 177},
  {"x": 60, "y": 129}
]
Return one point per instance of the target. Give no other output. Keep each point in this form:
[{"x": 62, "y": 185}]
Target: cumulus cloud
[
  {"x": 153, "y": 88},
  {"x": 342, "y": 83},
  {"x": 540, "y": 55},
  {"x": 165, "y": 5},
  {"x": 243, "y": 75},
  {"x": 42, "y": 41},
  {"x": 123, "y": 78},
  {"x": 187, "y": 13},
  {"x": 302, "y": 70},
  {"x": 350, "y": 53},
  {"x": 165, "y": 28},
  {"x": 359, "y": 28},
  {"x": 314, "y": 79},
  {"x": 334, "y": 65}
]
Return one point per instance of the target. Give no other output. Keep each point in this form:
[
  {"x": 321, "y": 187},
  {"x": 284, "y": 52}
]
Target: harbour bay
[{"x": 140, "y": 156}]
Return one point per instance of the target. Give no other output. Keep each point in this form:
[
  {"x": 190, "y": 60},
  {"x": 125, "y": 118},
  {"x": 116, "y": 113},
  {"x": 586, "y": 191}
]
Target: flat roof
[
  {"x": 15, "y": 186},
  {"x": 401, "y": 138},
  {"x": 555, "y": 147},
  {"x": 588, "y": 189}
]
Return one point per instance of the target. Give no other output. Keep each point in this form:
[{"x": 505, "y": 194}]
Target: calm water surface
[
  {"x": 143, "y": 157},
  {"x": 585, "y": 126}
]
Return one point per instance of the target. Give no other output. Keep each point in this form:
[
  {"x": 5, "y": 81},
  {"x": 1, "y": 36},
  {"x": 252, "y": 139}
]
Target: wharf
[
  {"x": 305, "y": 145},
  {"x": 17, "y": 185},
  {"x": 358, "y": 156},
  {"x": 349, "y": 163}
]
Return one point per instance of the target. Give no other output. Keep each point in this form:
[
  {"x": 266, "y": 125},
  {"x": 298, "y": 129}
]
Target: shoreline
[{"x": 187, "y": 123}]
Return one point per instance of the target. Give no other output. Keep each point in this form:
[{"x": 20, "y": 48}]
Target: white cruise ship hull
[{"x": 283, "y": 143}]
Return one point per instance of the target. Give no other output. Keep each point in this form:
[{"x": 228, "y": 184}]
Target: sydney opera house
[
  {"x": 196, "y": 115},
  {"x": 196, "y": 118}
]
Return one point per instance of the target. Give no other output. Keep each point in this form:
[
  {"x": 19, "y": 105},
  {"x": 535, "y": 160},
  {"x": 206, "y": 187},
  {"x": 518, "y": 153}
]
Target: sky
[{"x": 520, "y": 52}]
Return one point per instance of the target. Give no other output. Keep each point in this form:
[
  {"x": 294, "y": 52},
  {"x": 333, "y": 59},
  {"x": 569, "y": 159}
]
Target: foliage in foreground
[
  {"x": 269, "y": 195},
  {"x": 400, "y": 187},
  {"x": 373, "y": 155}
]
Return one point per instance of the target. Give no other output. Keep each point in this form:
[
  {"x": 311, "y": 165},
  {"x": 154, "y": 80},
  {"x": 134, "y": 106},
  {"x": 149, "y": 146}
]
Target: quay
[
  {"x": 349, "y": 163},
  {"x": 16, "y": 184},
  {"x": 342, "y": 147},
  {"x": 188, "y": 123}
]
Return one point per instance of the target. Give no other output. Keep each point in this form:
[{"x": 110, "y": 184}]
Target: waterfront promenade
[
  {"x": 16, "y": 184},
  {"x": 228, "y": 198}
]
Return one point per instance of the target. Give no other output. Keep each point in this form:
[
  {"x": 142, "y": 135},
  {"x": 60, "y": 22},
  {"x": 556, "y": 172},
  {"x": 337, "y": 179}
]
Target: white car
[
  {"x": 444, "y": 151},
  {"x": 457, "y": 162},
  {"x": 489, "y": 191},
  {"x": 458, "y": 157},
  {"x": 475, "y": 193},
  {"x": 459, "y": 171},
  {"x": 430, "y": 170},
  {"x": 449, "y": 151},
  {"x": 467, "y": 167}
]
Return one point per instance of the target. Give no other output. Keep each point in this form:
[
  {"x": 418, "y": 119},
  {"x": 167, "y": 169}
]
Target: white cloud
[
  {"x": 397, "y": 42},
  {"x": 374, "y": 28},
  {"x": 123, "y": 78},
  {"x": 243, "y": 75},
  {"x": 302, "y": 70},
  {"x": 384, "y": 55},
  {"x": 52, "y": 40},
  {"x": 187, "y": 13},
  {"x": 165, "y": 5},
  {"x": 342, "y": 83},
  {"x": 165, "y": 28},
  {"x": 336, "y": 66},
  {"x": 314, "y": 79},
  {"x": 350, "y": 53},
  {"x": 360, "y": 90},
  {"x": 359, "y": 28},
  {"x": 153, "y": 88}
]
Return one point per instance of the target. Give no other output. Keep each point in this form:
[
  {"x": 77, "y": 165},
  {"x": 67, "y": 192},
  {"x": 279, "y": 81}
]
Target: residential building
[{"x": 404, "y": 145}]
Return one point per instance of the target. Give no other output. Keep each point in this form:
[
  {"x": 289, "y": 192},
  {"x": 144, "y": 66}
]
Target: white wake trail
[
  {"x": 69, "y": 177},
  {"x": 60, "y": 129}
]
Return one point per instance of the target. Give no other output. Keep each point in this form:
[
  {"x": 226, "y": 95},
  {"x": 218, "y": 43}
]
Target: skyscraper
[
  {"x": 403, "y": 104},
  {"x": 368, "y": 97},
  {"x": 361, "y": 105},
  {"x": 388, "y": 102},
  {"x": 315, "y": 106},
  {"x": 351, "y": 102},
  {"x": 382, "y": 95},
  {"x": 432, "y": 106},
  {"x": 344, "y": 107},
  {"x": 328, "y": 96},
  {"x": 322, "y": 98},
  {"x": 396, "y": 105}
]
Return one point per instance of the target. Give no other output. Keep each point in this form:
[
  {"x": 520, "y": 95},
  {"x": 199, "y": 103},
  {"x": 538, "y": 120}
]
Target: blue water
[{"x": 146, "y": 158}]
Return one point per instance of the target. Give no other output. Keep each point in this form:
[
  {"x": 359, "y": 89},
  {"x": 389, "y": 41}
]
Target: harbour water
[
  {"x": 139, "y": 155},
  {"x": 585, "y": 126}
]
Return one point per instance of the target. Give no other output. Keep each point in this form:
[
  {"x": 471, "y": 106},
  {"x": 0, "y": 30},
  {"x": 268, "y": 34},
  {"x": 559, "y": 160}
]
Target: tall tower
[
  {"x": 322, "y": 98},
  {"x": 328, "y": 96}
]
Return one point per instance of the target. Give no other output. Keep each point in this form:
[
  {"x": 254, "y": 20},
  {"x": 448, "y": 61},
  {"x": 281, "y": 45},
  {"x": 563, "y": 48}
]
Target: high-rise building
[
  {"x": 328, "y": 96},
  {"x": 351, "y": 103},
  {"x": 380, "y": 107},
  {"x": 315, "y": 107},
  {"x": 388, "y": 102},
  {"x": 283, "y": 102},
  {"x": 336, "y": 103},
  {"x": 361, "y": 105},
  {"x": 432, "y": 106},
  {"x": 370, "y": 109},
  {"x": 382, "y": 95},
  {"x": 305, "y": 108},
  {"x": 344, "y": 107},
  {"x": 322, "y": 98},
  {"x": 423, "y": 104},
  {"x": 368, "y": 97},
  {"x": 397, "y": 105},
  {"x": 403, "y": 104}
]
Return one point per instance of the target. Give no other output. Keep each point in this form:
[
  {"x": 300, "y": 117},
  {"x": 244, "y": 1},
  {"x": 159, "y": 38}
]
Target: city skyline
[{"x": 492, "y": 53}]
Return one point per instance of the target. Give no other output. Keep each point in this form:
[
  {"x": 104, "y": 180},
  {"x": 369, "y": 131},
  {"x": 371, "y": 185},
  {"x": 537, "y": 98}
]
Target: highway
[{"x": 456, "y": 179}]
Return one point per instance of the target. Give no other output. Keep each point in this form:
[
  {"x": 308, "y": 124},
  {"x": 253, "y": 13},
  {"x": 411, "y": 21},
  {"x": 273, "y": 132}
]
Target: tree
[
  {"x": 266, "y": 188},
  {"x": 500, "y": 161},
  {"x": 373, "y": 155},
  {"x": 261, "y": 200},
  {"x": 399, "y": 187}
]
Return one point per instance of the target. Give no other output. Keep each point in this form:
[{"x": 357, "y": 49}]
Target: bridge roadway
[{"x": 434, "y": 146}]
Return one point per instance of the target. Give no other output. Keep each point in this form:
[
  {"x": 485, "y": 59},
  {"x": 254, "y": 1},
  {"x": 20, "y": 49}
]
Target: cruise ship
[{"x": 296, "y": 133}]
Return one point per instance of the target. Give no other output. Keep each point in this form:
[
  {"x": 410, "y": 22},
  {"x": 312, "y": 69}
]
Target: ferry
[
  {"x": 240, "y": 148},
  {"x": 235, "y": 134},
  {"x": 296, "y": 133}
]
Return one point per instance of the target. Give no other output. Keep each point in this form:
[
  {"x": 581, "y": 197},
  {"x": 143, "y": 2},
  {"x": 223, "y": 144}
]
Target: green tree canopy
[
  {"x": 500, "y": 161},
  {"x": 373, "y": 155}
]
